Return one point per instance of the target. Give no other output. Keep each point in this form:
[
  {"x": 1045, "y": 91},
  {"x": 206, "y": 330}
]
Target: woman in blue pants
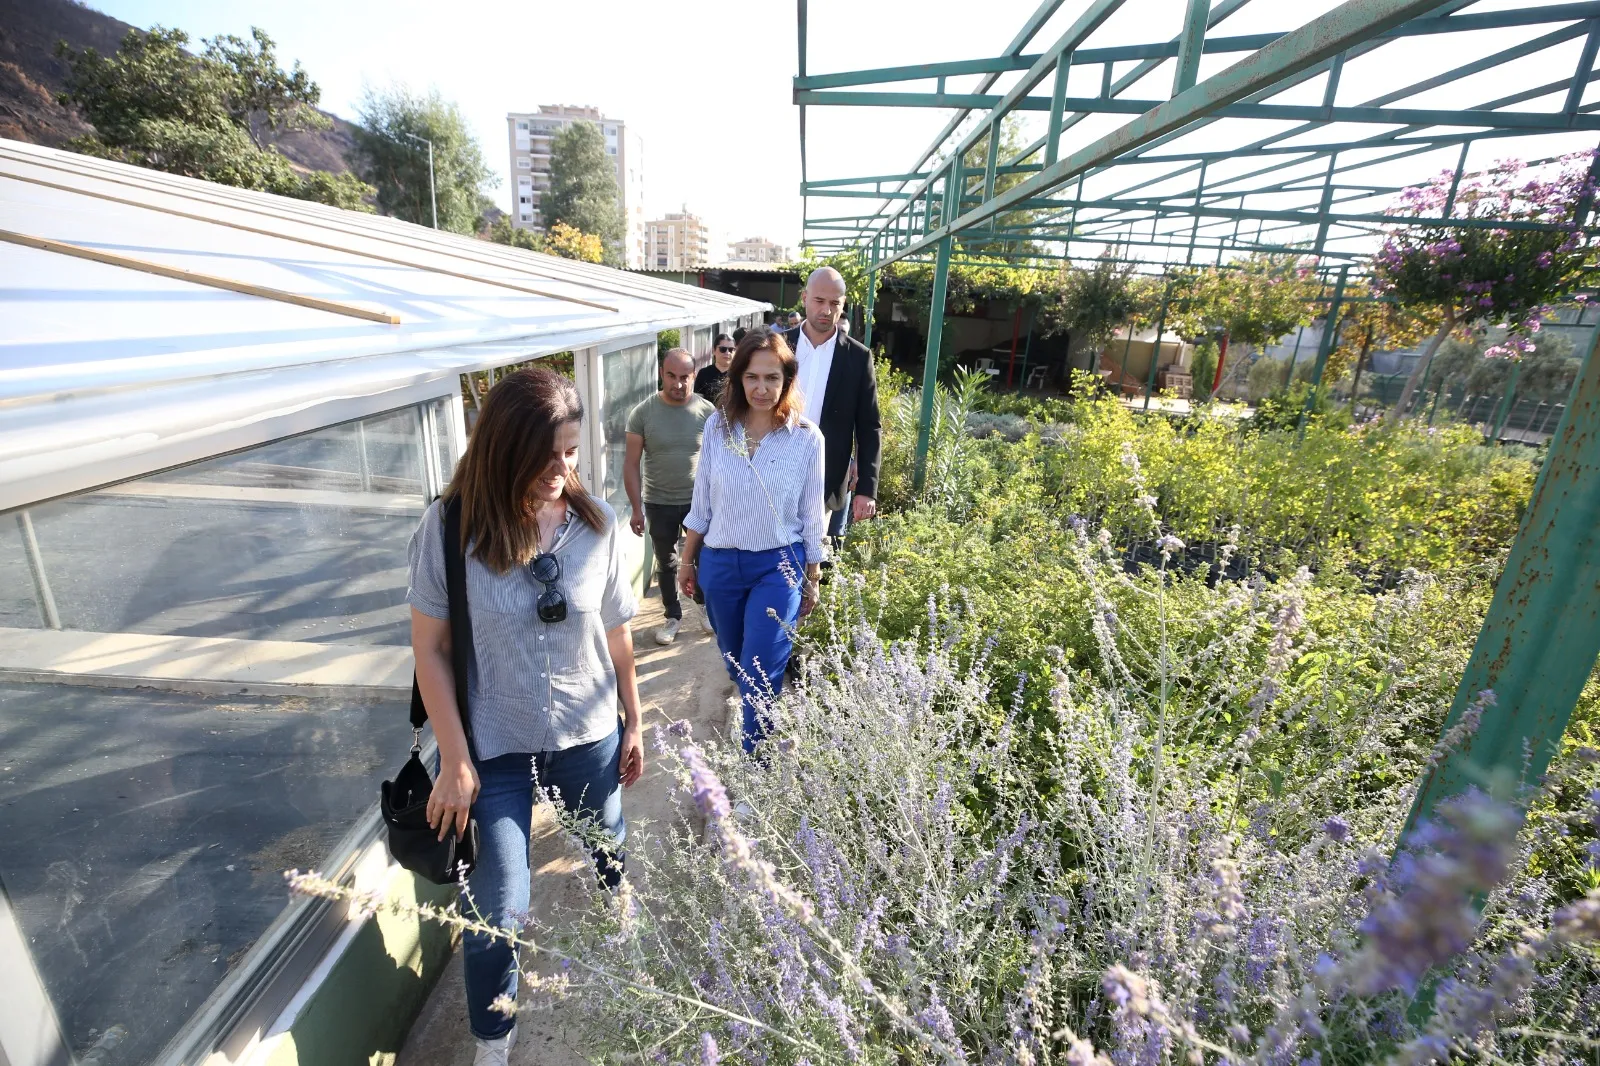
[{"x": 753, "y": 537}]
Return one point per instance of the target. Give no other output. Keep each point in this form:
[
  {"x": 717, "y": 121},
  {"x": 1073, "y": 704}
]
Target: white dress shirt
[
  {"x": 763, "y": 501},
  {"x": 816, "y": 361}
]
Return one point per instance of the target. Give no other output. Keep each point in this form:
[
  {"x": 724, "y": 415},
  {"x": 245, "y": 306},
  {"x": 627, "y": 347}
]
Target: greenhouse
[{"x": 223, "y": 413}]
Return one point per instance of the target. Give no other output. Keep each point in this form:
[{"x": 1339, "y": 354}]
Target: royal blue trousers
[
  {"x": 743, "y": 590},
  {"x": 588, "y": 781}
]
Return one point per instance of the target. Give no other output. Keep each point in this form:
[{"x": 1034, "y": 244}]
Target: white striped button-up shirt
[
  {"x": 769, "y": 500},
  {"x": 533, "y": 685}
]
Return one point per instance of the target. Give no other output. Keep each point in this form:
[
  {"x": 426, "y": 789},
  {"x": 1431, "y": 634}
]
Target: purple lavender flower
[
  {"x": 1446, "y": 865},
  {"x": 1127, "y": 990},
  {"x": 1337, "y": 829},
  {"x": 709, "y": 795},
  {"x": 709, "y": 1053}
]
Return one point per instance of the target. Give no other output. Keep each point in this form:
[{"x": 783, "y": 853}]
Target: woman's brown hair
[
  {"x": 511, "y": 445},
  {"x": 733, "y": 404}
]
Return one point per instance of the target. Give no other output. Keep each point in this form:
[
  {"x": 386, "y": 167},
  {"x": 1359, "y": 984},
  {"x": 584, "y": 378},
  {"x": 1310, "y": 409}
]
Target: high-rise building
[
  {"x": 677, "y": 242},
  {"x": 531, "y": 134},
  {"x": 757, "y": 250}
]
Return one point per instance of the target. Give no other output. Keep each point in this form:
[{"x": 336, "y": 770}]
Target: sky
[{"x": 707, "y": 83}]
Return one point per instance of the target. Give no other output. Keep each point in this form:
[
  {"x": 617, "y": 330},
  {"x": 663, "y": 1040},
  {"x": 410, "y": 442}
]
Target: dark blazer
[{"x": 850, "y": 421}]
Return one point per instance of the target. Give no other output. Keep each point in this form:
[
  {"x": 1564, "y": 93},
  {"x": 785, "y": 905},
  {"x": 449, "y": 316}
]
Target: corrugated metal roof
[{"x": 103, "y": 366}]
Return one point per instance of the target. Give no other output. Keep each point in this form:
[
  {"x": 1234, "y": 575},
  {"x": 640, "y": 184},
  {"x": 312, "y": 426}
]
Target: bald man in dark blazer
[{"x": 841, "y": 397}]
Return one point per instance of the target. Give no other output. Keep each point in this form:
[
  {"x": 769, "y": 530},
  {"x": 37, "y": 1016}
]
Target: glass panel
[
  {"x": 144, "y": 831},
  {"x": 443, "y": 418},
  {"x": 19, "y": 599},
  {"x": 300, "y": 539},
  {"x": 144, "y": 835},
  {"x": 630, "y": 376},
  {"x": 701, "y": 343}
]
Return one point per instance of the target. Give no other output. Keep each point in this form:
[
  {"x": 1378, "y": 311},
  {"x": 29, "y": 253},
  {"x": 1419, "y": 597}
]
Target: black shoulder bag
[{"x": 414, "y": 844}]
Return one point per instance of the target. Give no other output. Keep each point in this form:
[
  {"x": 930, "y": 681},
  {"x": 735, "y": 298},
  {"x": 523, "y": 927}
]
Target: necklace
[{"x": 547, "y": 520}]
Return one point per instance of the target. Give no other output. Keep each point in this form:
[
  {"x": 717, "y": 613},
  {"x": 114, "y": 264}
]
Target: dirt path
[{"x": 684, "y": 681}]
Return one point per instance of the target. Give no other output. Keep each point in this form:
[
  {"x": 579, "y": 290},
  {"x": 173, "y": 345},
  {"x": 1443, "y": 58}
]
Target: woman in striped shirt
[{"x": 753, "y": 537}]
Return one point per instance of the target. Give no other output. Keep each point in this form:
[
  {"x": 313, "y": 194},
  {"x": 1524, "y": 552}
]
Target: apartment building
[
  {"x": 680, "y": 241},
  {"x": 757, "y": 250},
  {"x": 530, "y": 134}
]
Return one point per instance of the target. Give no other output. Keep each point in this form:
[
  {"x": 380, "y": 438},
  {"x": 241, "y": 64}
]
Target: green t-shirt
[{"x": 671, "y": 445}]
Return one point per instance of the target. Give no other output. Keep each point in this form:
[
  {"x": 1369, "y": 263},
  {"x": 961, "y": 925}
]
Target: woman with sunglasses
[
  {"x": 753, "y": 536},
  {"x": 708, "y": 382},
  {"x": 552, "y": 656}
]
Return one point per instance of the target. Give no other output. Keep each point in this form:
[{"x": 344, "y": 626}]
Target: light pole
[{"x": 433, "y": 195}]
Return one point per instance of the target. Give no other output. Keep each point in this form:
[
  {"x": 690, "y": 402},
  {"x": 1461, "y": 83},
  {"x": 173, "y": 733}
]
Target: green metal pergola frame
[{"x": 1540, "y": 640}]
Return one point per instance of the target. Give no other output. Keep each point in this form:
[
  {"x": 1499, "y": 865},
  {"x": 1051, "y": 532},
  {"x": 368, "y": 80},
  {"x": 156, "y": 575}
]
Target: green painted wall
[{"x": 365, "y": 1007}]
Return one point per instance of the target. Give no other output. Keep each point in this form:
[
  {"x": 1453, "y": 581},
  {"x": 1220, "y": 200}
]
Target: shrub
[{"x": 889, "y": 883}]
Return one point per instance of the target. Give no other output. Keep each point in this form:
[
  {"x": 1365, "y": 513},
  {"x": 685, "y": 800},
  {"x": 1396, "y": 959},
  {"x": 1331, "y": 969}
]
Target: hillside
[{"x": 31, "y": 75}]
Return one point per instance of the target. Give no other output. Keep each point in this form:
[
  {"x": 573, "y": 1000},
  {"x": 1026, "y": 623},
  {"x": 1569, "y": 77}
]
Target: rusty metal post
[{"x": 1539, "y": 642}]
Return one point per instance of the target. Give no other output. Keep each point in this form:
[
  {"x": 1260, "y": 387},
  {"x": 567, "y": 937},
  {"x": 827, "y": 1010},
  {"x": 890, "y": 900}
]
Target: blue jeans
[
  {"x": 588, "y": 780},
  {"x": 740, "y": 588},
  {"x": 839, "y": 520}
]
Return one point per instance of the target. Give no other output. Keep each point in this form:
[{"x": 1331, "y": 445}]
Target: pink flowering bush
[{"x": 1521, "y": 250}]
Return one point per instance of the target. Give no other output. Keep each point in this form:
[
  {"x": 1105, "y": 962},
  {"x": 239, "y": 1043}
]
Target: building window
[{"x": 523, "y": 164}]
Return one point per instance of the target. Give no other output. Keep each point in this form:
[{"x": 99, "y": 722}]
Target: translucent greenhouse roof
[
  {"x": 142, "y": 309},
  {"x": 1185, "y": 131}
]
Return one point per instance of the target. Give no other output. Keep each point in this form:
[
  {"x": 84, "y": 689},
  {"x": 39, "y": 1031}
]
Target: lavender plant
[{"x": 1196, "y": 869}]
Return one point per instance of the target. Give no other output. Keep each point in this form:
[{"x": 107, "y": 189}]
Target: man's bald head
[
  {"x": 827, "y": 279},
  {"x": 677, "y": 375},
  {"x": 824, "y": 302}
]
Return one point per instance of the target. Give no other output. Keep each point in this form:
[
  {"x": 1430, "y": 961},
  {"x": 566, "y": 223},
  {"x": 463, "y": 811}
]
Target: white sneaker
[
  {"x": 705, "y": 622},
  {"x": 495, "y": 1052},
  {"x": 668, "y": 632}
]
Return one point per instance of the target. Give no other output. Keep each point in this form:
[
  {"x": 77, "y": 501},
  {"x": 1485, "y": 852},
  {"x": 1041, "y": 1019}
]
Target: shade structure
[{"x": 108, "y": 370}]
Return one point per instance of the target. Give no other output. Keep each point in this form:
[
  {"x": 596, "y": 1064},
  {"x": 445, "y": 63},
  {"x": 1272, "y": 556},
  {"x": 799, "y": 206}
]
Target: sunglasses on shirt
[{"x": 552, "y": 605}]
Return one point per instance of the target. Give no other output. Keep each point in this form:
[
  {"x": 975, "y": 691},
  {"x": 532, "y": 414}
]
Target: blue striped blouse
[{"x": 766, "y": 501}]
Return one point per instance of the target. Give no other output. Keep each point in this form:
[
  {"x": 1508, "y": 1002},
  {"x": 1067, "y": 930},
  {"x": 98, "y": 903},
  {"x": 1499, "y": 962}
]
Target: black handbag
[{"x": 414, "y": 844}]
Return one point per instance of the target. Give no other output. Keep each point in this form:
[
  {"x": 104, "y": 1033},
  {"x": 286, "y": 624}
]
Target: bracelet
[{"x": 690, "y": 562}]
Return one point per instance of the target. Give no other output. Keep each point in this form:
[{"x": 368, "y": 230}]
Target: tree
[
  {"x": 852, "y": 267},
  {"x": 153, "y": 104},
  {"x": 975, "y": 163},
  {"x": 1253, "y": 301},
  {"x": 501, "y": 231},
  {"x": 1249, "y": 302},
  {"x": 1545, "y": 374},
  {"x": 1375, "y": 326},
  {"x": 1484, "y": 274},
  {"x": 569, "y": 243},
  {"x": 583, "y": 187},
  {"x": 562, "y": 240},
  {"x": 1089, "y": 305},
  {"x": 398, "y": 166}
]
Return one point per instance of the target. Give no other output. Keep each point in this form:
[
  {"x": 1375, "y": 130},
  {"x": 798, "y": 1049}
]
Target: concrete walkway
[{"x": 685, "y": 681}]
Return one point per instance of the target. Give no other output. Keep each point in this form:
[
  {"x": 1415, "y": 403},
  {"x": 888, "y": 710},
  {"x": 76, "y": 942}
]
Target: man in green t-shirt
[{"x": 664, "y": 438}]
